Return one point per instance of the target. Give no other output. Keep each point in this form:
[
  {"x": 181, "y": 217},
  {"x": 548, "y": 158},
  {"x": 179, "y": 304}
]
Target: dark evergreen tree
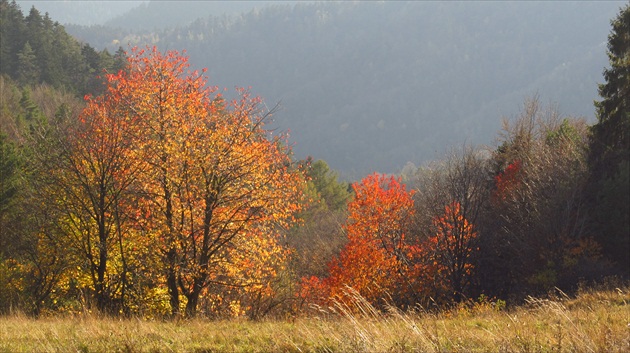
[
  {"x": 91, "y": 69},
  {"x": 12, "y": 36},
  {"x": 120, "y": 60},
  {"x": 27, "y": 70},
  {"x": 610, "y": 149},
  {"x": 32, "y": 113}
]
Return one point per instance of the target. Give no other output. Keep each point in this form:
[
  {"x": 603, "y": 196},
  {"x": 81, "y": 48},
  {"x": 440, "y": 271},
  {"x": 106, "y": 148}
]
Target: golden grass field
[{"x": 594, "y": 321}]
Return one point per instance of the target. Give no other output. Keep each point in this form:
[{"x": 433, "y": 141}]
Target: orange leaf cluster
[
  {"x": 373, "y": 260},
  {"x": 381, "y": 261}
]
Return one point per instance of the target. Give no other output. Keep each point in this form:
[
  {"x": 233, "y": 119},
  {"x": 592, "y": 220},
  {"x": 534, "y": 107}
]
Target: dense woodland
[{"x": 130, "y": 186}]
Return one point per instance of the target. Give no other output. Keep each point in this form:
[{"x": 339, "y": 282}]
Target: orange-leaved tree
[
  {"x": 452, "y": 249},
  {"x": 212, "y": 173},
  {"x": 373, "y": 261}
]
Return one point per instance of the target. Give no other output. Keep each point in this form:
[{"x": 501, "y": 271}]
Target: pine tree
[
  {"x": 12, "y": 30},
  {"x": 28, "y": 71},
  {"x": 610, "y": 149}
]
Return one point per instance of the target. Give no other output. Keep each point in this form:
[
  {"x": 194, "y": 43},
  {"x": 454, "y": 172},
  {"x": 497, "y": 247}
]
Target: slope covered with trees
[
  {"x": 35, "y": 49},
  {"x": 356, "y": 78}
]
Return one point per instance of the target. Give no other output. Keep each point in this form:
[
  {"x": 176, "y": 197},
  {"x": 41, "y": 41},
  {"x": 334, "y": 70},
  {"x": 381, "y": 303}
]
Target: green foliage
[
  {"x": 12, "y": 28},
  {"x": 9, "y": 271},
  {"x": 37, "y": 50},
  {"x": 319, "y": 236},
  {"x": 610, "y": 142},
  {"x": 566, "y": 131},
  {"x": 31, "y": 260},
  {"x": 28, "y": 72},
  {"x": 31, "y": 113},
  {"x": 9, "y": 166},
  {"x": 323, "y": 186}
]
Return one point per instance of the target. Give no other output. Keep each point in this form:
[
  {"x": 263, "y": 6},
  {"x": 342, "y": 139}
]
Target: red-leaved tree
[{"x": 375, "y": 259}]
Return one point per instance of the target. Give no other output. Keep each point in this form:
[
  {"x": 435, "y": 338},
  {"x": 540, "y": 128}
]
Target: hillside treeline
[
  {"x": 35, "y": 50},
  {"x": 431, "y": 74},
  {"x": 156, "y": 196}
]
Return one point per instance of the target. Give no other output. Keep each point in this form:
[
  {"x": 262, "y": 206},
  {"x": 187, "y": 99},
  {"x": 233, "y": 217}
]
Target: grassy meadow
[{"x": 593, "y": 321}]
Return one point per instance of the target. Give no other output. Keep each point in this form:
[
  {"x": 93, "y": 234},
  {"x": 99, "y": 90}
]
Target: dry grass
[{"x": 595, "y": 321}]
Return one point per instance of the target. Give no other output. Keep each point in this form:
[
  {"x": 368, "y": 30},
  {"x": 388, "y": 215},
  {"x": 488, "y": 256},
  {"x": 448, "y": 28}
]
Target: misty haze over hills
[
  {"x": 369, "y": 86},
  {"x": 140, "y": 14}
]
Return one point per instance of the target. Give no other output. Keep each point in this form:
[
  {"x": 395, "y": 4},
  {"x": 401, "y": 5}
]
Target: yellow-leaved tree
[{"x": 198, "y": 191}]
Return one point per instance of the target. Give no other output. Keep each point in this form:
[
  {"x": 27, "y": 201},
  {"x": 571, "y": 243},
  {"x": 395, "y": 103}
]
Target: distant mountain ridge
[
  {"x": 150, "y": 15},
  {"x": 369, "y": 86}
]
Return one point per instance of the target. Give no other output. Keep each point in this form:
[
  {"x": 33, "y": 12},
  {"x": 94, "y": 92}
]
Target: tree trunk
[
  {"x": 102, "y": 299},
  {"x": 191, "y": 305},
  {"x": 193, "y": 296},
  {"x": 171, "y": 282}
]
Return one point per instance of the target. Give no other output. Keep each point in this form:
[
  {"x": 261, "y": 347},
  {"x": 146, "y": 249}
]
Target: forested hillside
[
  {"x": 151, "y": 15},
  {"x": 132, "y": 186},
  {"x": 356, "y": 79},
  {"x": 35, "y": 50}
]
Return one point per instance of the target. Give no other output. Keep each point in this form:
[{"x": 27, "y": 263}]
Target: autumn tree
[
  {"x": 87, "y": 168},
  {"x": 452, "y": 249},
  {"x": 373, "y": 260},
  {"x": 450, "y": 200},
  {"x": 213, "y": 175}
]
